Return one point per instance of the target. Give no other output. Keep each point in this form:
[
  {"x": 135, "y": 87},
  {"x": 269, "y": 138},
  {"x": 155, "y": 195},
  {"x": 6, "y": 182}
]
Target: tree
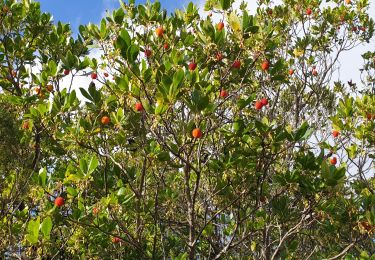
[
  {"x": 197, "y": 139},
  {"x": 27, "y": 39}
]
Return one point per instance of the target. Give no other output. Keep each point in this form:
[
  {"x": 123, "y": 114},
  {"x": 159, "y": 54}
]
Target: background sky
[{"x": 78, "y": 12}]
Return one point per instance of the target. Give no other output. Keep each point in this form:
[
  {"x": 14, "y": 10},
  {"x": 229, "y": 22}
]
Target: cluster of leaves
[{"x": 136, "y": 183}]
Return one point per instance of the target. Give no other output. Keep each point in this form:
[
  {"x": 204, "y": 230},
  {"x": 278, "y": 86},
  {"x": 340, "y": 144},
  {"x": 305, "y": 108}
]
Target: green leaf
[
  {"x": 31, "y": 239},
  {"x": 242, "y": 103},
  {"x": 42, "y": 177},
  {"x": 164, "y": 156},
  {"x": 119, "y": 16},
  {"x": 325, "y": 170},
  {"x": 46, "y": 227},
  {"x": 70, "y": 60},
  {"x": 234, "y": 22},
  {"x": 93, "y": 164},
  {"x": 307, "y": 134},
  {"x": 86, "y": 94},
  {"x": 300, "y": 133},
  {"x": 95, "y": 94},
  {"x": 52, "y": 67},
  {"x": 84, "y": 64},
  {"x": 161, "y": 109},
  {"x": 225, "y": 4},
  {"x": 103, "y": 29},
  {"x": 88, "y": 167},
  {"x": 189, "y": 40},
  {"x": 121, "y": 191},
  {"x": 33, "y": 230},
  {"x": 123, "y": 83},
  {"x": 238, "y": 125},
  {"x": 71, "y": 191},
  {"x": 339, "y": 173},
  {"x": 132, "y": 53},
  {"x": 331, "y": 175},
  {"x": 200, "y": 101},
  {"x": 72, "y": 98},
  {"x": 208, "y": 29},
  {"x": 83, "y": 165},
  {"x": 124, "y": 35},
  {"x": 245, "y": 21},
  {"x": 178, "y": 77},
  {"x": 174, "y": 88},
  {"x": 123, "y": 42}
]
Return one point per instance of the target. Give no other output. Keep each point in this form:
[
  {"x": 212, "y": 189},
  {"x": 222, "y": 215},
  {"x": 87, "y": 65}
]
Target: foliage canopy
[{"x": 194, "y": 139}]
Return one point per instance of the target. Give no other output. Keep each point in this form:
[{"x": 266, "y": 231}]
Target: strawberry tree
[
  {"x": 198, "y": 137},
  {"x": 33, "y": 55}
]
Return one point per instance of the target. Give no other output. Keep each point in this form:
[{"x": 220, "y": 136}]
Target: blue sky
[{"x": 78, "y": 12}]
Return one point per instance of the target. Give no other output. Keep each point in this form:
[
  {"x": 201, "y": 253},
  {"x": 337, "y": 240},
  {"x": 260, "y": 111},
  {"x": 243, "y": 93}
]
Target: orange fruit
[
  {"x": 105, "y": 120},
  {"x": 159, "y": 31},
  {"x": 196, "y": 133},
  {"x": 59, "y": 201}
]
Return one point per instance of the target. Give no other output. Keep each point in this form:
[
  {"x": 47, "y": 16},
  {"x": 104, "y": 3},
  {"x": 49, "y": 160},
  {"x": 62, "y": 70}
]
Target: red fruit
[
  {"x": 138, "y": 107},
  {"x": 116, "y": 240},
  {"x": 166, "y": 46},
  {"x": 192, "y": 66},
  {"x": 224, "y": 93},
  {"x": 265, "y": 65},
  {"x": 269, "y": 11},
  {"x": 335, "y": 133},
  {"x": 354, "y": 29},
  {"x": 159, "y": 31},
  {"x": 148, "y": 52},
  {"x": 66, "y": 72},
  {"x": 314, "y": 72},
  {"x": 291, "y": 72},
  {"x": 49, "y": 87},
  {"x": 220, "y": 26},
  {"x": 362, "y": 28},
  {"x": 94, "y": 75},
  {"x": 219, "y": 56},
  {"x": 236, "y": 64},
  {"x": 333, "y": 161},
  {"x": 196, "y": 133},
  {"x": 264, "y": 102},
  {"x": 308, "y": 11},
  {"x": 367, "y": 226},
  {"x": 369, "y": 116},
  {"x": 95, "y": 211},
  {"x": 25, "y": 125},
  {"x": 105, "y": 120},
  {"x": 106, "y": 74},
  {"x": 59, "y": 201},
  {"x": 258, "y": 105}
]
